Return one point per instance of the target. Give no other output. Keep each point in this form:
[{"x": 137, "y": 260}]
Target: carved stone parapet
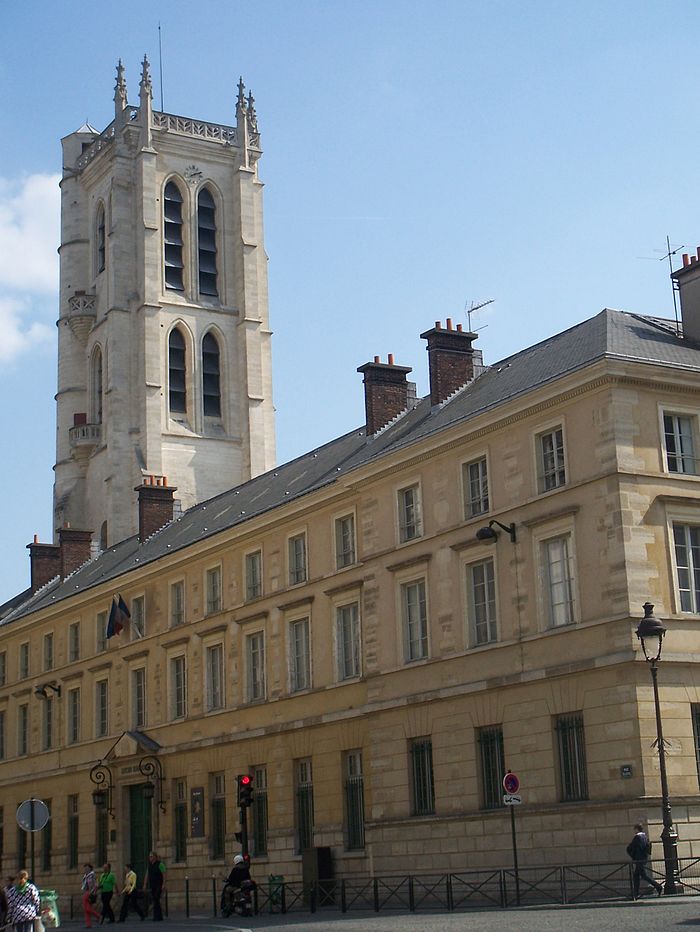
[
  {"x": 185, "y": 126},
  {"x": 81, "y": 315},
  {"x": 104, "y": 139},
  {"x": 84, "y": 438}
]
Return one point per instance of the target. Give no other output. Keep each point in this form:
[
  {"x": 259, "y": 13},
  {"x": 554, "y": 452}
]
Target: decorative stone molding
[
  {"x": 185, "y": 126},
  {"x": 81, "y": 315}
]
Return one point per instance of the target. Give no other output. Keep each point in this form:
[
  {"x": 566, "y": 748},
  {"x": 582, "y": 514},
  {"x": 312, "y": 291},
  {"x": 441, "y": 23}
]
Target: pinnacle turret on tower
[{"x": 120, "y": 96}]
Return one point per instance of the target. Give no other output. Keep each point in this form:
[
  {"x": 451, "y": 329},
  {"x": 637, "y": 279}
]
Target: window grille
[
  {"x": 73, "y": 835},
  {"x": 492, "y": 766},
  {"x": 422, "y": 777},
  {"x": 354, "y": 802},
  {"x": 259, "y": 808},
  {"x": 572, "y": 757},
  {"x": 304, "y": 806},
  {"x": 218, "y": 818}
]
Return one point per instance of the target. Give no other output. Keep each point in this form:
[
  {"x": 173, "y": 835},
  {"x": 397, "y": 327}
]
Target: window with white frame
[
  {"x": 138, "y": 617},
  {"x": 74, "y": 715},
  {"x": 177, "y": 603},
  {"x": 74, "y": 642},
  {"x": 101, "y": 709},
  {"x": 215, "y": 676},
  {"x": 138, "y": 697},
  {"x": 559, "y": 587},
  {"x": 48, "y": 652},
  {"x": 347, "y": 622},
  {"x": 213, "y": 590},
  {"x": 410, "y": 520},
  {"x": 686, "y": 544},
  {"x": 551, "y": 462},
  {"x": 299, "y": 655},
  {"x": 297, "y": 559},
  {"x": 476, "y": 488},
  {"x": 178, "y": 687},
  {"x": 481, "y": 600},
  {"x": 23, "y": 664},
  {"x": 253, "y": 575},
  {"x": 255, "y": 661},
  {"x": 415, "y": 620},
  {"x": 344, "y": 541},
  {"x": 101, "y": 632},
  {"x": 679, "y": 443}
]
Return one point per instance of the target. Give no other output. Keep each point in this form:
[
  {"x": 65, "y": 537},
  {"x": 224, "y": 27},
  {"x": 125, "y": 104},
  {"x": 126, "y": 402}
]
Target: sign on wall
[{"x": 197, "y": 812}]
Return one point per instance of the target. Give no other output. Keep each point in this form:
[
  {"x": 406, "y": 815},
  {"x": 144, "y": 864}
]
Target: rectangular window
[
  {"x": 686, "y": 541},
  {"x": 476, "y": 488},
  {"x": 74, "y": 642},
  {"x": 47, "y": 724},
  {"x": 215, "y": 677},
  {"x": 354, "y": 802},
  {"x": 101, "y": 633},
  {"x": 255, "y": 656},
  {"x": 23, "y": 730},
  {"x": 348, "y": 640},
  {"x": 138, "y": 697},
  {"x": 552, "y": 469},
  {"x": 48, "y": 652},
  {"x": 73, "y": 835},
  {"x": 2, "y": 735},
  {"x": 415, "y": 620},
  {"x": 304, "y": 805},
  {"x": 695, "y": 714},
  {"x": 138, "y": 618},
  {"x": 559, "y": 581},
  {"x": 422, "y": 787},
  {"x": 23, "y": 661},
  {"x": 3, "y": 668},
  {"x": 73, "y": 715},
  {"x": 178, "y": 686},
  {"x": 297, "y": 559},
  {"x": 410, "y": 522},
  {"x": 213, "y": 590},
  {"x": 101, "y": 709},
  {"x": 481, "y": 593},
  {"x": 177, "y": 603},
  {"x": 680, "y": 445},
  {"x": 217, "y": 834},
  {"x": 299, "y": 655},
  {"x": 492, "y": 766},
  {"x": 259, "y": 808},
  {"x": 344, "y": 541},
  {"x": 253, "y": 575},
  {"x": 571, "y": 746},
  {"x": 180, "y": 820}
]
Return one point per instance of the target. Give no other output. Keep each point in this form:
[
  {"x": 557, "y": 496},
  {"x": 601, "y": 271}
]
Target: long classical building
[{"x": 378, "y": 630}]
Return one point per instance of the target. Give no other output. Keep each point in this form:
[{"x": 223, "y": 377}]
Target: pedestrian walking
[
  {"x": 155, "y": 882},
  {"x": 639, "y": 849},
  {"x": 23, "y": 904},
  {"x": 88, "y": 888},
  {"x": 107, "y": 886},
  {"x": 130, "y": 895}
]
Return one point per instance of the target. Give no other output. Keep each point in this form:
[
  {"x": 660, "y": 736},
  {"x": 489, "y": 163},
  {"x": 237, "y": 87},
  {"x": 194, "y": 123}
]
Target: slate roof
[{"x": 611, "y": 334}]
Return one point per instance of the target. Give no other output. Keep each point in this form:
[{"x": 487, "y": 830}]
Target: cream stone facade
[{"x": 164, "y": 337}]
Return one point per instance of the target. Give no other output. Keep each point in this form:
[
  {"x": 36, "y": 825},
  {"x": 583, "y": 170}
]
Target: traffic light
[{"x": 245, "y": 790}]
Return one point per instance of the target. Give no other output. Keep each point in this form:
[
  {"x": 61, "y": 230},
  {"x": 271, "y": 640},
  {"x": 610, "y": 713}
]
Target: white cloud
[{"x": 18, "y": 334}]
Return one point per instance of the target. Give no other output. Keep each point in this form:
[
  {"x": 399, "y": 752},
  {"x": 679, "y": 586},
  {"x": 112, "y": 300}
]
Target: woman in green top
[{"x": 107, "y": 885}]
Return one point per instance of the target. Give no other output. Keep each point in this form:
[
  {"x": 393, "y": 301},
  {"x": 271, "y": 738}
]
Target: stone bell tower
[{"x": 164, "y": 361}]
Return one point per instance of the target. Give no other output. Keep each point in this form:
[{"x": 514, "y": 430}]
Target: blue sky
[{"x": 418, "y": 156}]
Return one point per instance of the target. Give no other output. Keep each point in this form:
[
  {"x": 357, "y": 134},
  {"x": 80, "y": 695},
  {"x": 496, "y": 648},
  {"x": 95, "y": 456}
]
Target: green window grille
[
  {"x": 492, "y": 766},
  {"x": 304, "y": 806},
  {"x": 422, "y": 777},
  {"x": 354, "y": 802},
  {"x": 259, "y": 810},
  {"x": 572, "y": 757}
]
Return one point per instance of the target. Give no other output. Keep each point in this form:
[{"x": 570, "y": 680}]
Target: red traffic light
[{"x": 245, "y": 780}]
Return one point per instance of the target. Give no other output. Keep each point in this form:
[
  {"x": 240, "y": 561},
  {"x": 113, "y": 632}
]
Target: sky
[{"x": 420, "y": 156}]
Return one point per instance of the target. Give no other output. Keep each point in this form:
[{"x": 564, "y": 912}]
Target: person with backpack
[{"x": 639, "y": 849}]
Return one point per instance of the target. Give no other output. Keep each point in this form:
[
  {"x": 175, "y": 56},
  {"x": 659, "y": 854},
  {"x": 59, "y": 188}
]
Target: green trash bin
[
  {"x": 275, "y": 885},
  {"x": 49, "y": 909}
]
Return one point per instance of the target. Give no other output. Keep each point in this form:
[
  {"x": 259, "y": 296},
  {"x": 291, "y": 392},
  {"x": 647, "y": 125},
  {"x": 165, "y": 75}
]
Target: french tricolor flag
[{"x": 119, "y": 615}]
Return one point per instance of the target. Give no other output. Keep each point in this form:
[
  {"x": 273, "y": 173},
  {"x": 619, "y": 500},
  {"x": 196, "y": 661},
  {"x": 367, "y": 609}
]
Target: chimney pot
[
  {"x": 438, "y": 325},
  {"x": 376, "y": 358},
  {"x": 449, "y": 323},
  {"x": 450, "y": 360},
  {"x": 386, "y": 392},
  {"x": 686, "y": 260},
  {"x": 390, "y": 359}
]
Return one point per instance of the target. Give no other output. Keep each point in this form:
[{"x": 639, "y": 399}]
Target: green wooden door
[{"x": 140, "y": 837}]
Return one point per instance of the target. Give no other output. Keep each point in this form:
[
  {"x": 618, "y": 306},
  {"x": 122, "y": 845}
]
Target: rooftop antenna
[
  {"x": 160, "y": 68},
  {"x": 472, "y": 309},
  {"x": 670, "y": 252}
]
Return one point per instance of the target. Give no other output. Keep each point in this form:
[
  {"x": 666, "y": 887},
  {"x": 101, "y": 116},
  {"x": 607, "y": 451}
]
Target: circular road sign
[
  {"x": 511, "y": 783},
  {"x": 32, "y": 815}
]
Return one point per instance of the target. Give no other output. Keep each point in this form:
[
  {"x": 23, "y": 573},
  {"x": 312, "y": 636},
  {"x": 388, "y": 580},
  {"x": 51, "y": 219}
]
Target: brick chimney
[
  {"x": 687, "y": 280},
  {"x": 386, "y": 392},
  {"x": 450, "y": 359},
  {"x": 75, "y": 548},
  {"x": 156, "y": 502},
  {"x": 45, "y": 562}
]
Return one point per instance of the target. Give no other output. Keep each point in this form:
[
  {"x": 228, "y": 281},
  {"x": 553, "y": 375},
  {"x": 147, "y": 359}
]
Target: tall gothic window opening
[
  {"x": 100, "y": 239},
  {"x": 176, "y": 373},
  {"x": 211, "y": 383},
  {"x": 97, "y": 388},
  {"x": 206, "y": 230},
  {"x": 172, "y": 237}
]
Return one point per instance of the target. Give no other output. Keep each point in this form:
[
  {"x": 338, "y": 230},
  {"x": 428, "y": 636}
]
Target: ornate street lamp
[
  {"x": 150, "y": 766},
  {"x": 101, "y": 776},
  {"x": 651, "y": 633}
]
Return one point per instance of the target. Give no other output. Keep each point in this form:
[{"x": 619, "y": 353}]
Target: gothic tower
[{"x": 164, "y": 362}]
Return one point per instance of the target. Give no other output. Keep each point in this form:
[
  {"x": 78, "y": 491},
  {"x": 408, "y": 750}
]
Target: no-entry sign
[{"x": 511, "y": 783}]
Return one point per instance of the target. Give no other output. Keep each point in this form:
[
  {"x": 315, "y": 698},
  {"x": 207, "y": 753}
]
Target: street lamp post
[{"x": 651, "y": 633}]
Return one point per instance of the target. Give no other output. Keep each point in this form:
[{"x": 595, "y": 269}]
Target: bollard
[
  {"x": 187, "y": 896},
  {"x": 213, "y": 893},
  {"x": 343, "y": 897}
]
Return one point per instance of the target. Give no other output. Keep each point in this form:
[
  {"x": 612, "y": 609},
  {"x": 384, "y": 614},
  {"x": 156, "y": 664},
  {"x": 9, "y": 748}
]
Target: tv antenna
[
  {"x": 668, "y": 254},
  {"x": 472, "y": 309}
]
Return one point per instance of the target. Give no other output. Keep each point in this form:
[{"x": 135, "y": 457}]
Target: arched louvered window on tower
[
  {"x": 172, "y": 237},
  {"x": 211, "y": 376},
  {"x": 177, "y": 375},
  {"x": 100, "y": 239},
  {"x": 206, "y": 230}
]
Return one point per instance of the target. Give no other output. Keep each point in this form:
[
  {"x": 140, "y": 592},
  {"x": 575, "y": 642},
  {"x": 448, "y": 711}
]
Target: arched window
[
  {"x": 103, "y": 536},
  {"x": 211, "y": 383},
  {"x": 176, "y": 373},
  {"x": 100, "y": 239},
  {"x": 206, "y": 228},
  {"x": 172, "y": 237},
  {"x": 96, "y": 386}
]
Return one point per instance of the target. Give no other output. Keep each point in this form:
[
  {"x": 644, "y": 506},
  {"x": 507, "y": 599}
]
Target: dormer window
[
  {"x": 172, "y": 238},
  {"x": 211, "y": 382},
  {"x": 206, "y": 231}
]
